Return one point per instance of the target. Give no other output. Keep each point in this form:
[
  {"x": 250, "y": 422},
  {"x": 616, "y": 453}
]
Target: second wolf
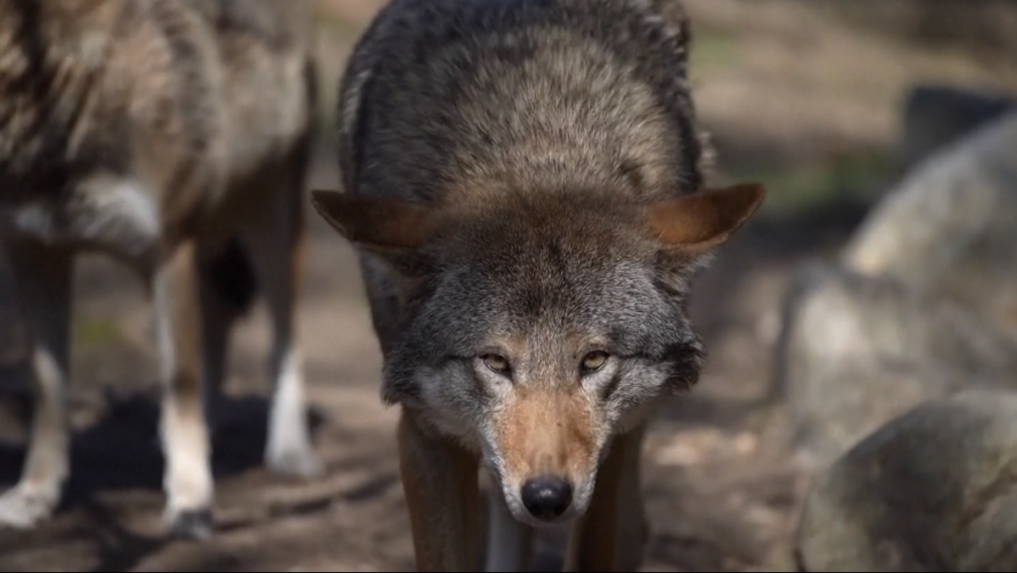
[
  {"x": 524, "y": 182},
  {"x": 173, "y": 135}
]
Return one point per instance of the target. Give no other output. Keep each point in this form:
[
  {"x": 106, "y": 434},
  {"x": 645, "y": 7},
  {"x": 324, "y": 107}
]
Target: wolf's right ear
[
  {"x": 694, "y": 224},
  {"x": 393, "y": 230}
]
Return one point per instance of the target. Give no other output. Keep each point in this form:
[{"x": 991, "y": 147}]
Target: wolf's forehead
[
  {"x": 557, "y": 288},
  {"x": 553, "y": 239},
  {"x": 558, "y": 309},
  {"x": 547, "y": 274},
  {"x": 556, "y": 259}
]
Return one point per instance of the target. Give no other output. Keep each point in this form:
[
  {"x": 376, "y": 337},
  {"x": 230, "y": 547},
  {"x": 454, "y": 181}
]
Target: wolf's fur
[
  {"x": 172, "y": 135},
  {"x": 524, "y": 178}
]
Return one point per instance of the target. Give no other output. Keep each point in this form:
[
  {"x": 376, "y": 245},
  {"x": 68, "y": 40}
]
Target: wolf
[
  {"x": 173, "y": 136},
  {"x": 525, "y": 185}
]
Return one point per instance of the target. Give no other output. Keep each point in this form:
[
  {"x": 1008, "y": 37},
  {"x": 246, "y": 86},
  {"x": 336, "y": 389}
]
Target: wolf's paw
[
  {"x": 295, "y": 462},
  {"x": 192, "y": 524},
  {"x": 24, "y": 507}
]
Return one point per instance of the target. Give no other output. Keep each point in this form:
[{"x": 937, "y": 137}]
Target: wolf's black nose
[{"x": 547, "y": 497}]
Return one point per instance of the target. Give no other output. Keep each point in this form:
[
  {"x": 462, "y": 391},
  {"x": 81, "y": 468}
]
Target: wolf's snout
[{"x": 547, "y": 497}]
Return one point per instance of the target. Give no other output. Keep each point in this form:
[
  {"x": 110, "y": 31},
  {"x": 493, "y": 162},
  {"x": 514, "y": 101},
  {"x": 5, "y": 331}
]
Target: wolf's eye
[
  {"x": 594, "y": 361},
  {"x": 497, "y": 363}
]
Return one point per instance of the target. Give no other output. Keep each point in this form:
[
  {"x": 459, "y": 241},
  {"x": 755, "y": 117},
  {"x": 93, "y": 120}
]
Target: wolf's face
[{"x": 536, "y": 328}]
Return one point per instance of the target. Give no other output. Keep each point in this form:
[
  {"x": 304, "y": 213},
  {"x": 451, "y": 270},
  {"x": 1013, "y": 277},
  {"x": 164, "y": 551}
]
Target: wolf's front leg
[
  {"x": 612, "y": 534},
  {"x": 440, "y": 483},
  {"x": 187, "y": 479},
  {"x": 509, "y": 541},
  {"x": 43, "y": 290}
]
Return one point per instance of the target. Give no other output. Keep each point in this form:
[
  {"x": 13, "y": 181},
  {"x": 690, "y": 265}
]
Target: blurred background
[{"x": 836, "y": 106}]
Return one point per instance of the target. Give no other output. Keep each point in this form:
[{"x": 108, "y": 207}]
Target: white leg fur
[
  {"x": 44, "y": 291},
  {"x": 188, "y": 477},
  {"x": 289, "y": 450}
]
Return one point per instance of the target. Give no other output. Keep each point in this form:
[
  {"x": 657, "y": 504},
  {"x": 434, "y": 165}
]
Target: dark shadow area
[
  {"x": 118, "y": 548},
  {"x": 776, "y": 241},
  {"x": 692, "y": 409},
  {"x": 122, "y": 451}
]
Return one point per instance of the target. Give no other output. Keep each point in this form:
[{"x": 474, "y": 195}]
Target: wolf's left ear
[
  {"x": 393, "y": 230},
  {"x": 694, "y": 224}
]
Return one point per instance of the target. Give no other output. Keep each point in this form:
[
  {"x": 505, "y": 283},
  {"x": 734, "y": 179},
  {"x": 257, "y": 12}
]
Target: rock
[
  {"x": 938, "y": 115},
  {"x": 855, "y": 351},
  {"x": 933, "y": 490},
  {"x": 950, "y": 227}
]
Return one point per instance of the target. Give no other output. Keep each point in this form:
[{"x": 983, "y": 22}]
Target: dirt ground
[{"x": 721, "y": 486}]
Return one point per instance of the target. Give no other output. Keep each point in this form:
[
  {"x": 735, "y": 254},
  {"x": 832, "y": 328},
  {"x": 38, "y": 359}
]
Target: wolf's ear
[
  {"x": 694, "y": 224},
  {"x": 393, "y": 230}
]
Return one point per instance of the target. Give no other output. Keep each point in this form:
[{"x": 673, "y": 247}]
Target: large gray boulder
[
  {"x": 933, "y": 490},
  {"x": 923, "y": 302},
  {"x": 950, "y": 227},
  {"x": 856, "y": 351}
]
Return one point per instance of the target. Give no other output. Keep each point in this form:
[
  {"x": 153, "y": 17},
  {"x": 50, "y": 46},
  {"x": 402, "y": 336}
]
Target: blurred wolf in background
[
  {"x": 173, "y": 135},
  {"x": 523, "y": 180}
]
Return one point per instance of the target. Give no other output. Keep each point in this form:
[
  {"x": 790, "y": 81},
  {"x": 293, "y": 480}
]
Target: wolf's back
[{"x": 447, "y": 94}]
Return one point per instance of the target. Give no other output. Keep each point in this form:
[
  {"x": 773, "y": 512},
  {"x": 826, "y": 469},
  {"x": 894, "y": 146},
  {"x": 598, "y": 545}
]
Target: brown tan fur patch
[{"x": 547, "y": 432}]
